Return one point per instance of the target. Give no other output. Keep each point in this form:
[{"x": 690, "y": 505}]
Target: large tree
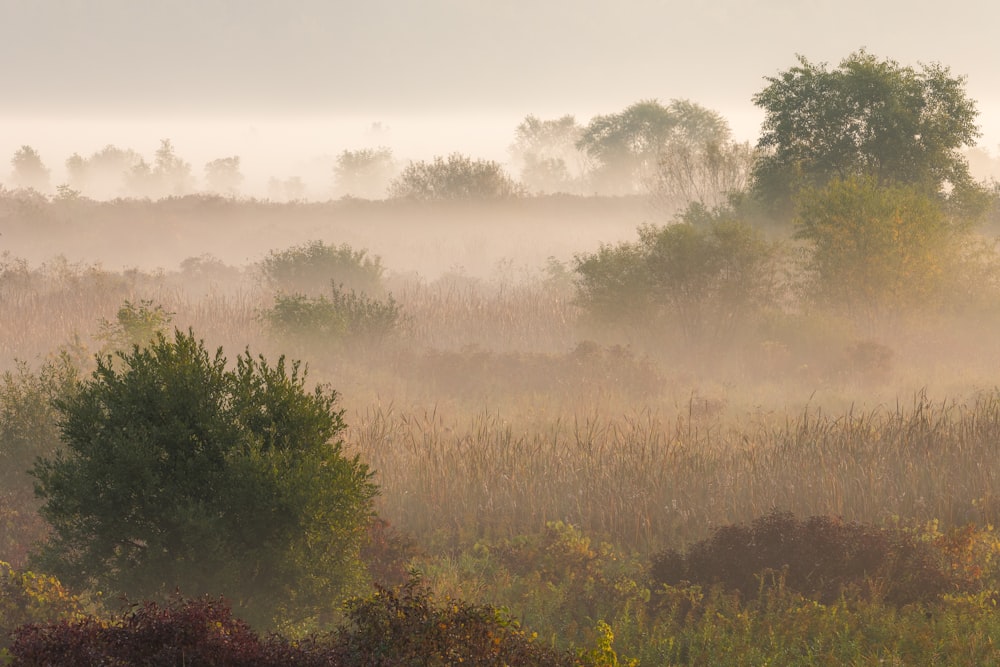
[
  {"x": 180, "y": 471},
  {"x": 871, "y": 117}
]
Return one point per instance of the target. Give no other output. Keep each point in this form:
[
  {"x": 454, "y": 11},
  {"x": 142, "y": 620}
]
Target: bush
[
  {"x": 309, "y": 269},
  {"x": 179, "y": 472},
  {"x": 341, "y": 316},
  {"x": 456, "y": 178},
  {"x": 820, "y": 557},
  {"x": 407, "y": 626},
  {"x": 28, "y": 597},
  {"x": 181, "y": 632}
]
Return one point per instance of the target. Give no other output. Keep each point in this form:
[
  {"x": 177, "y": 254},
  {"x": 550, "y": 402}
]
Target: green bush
[
  {"x": 341, "y": 316},
  {"x": 28, "y": 597},
  {"x": 179, "y": 472},
  {"x": 310, "y": 268}
]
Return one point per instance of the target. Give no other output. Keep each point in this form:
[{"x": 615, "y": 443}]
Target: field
[{"x": 529, "y": 457}]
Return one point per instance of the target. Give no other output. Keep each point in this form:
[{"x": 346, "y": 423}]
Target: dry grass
[{"x": 526, "y": 432}]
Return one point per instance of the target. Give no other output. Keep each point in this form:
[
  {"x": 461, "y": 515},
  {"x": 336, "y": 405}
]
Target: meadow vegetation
[{"x": 763, "y": 429}]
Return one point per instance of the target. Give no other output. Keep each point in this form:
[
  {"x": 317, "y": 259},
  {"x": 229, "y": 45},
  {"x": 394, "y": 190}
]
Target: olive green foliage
[
  {"x": 876, "y": 251},
  {"x": 339, "y": 316},
  {"x": 135, "y": 324},
  {"x": 869, "y": 117},
  {"x": 309, "y": 268},
  {"x": 457, "y": 177},
  {"x": 179, "y": 472},
  {"x": 703, "y": 276},
  {"x": 28, "y": 429}
]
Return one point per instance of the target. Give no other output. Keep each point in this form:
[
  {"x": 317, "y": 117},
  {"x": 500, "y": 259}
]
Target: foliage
[
  {"x": 179, "y": 473},
  {"x": 169, "y": 175},
  {"x": 181, "y": 632},
  {"x": 547, "y": 155},
  {"x": 876, "y": 250},
  {"x": 28, "y": 597},
  {"x": 408, "y": 626},
  {"x": 820, "y": 557},
  {"x": 705, "y": 275},
  {"x": 341, "y": 316},
  {"x": 310, "y": 268},
  {"x": 708, "y": 173},
  {"x": 364, "y": 173},
  {"x": 29, "y": 171},
  {"x": 456, "y": 177},
  {"x": 867, "y": 117},
  {"x": 627, "y": 145},
  {"x": 223, "y": 175},
  {"x": 103, "y": 174},
  {"x": 134, "y": 325}
]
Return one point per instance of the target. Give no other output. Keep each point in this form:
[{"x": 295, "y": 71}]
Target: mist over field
[{"x": 668, "y": 330}]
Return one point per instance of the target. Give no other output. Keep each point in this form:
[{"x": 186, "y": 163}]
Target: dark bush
[
  {"x": 181, "y": 632},
  {"x": 406, "y": 626},
  {"x": 821, "y": 557},
  {"x": 309, "y": 268}
]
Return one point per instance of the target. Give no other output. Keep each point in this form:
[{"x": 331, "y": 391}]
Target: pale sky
[{"x": 475, "y": 65}]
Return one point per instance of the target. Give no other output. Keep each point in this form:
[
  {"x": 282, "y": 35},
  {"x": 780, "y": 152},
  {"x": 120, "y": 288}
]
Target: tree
[
  {"x": 706, "y": 173},
  {"x": 29, "y": 171},
  {"x": 875, "y": 250},
  {"x": 866, "y": 117},
  {"x": 546, "y": 153},
  {"x": 168, "y": 175},
  {"x": 627, "y": 145},
  {"x": 180, "y": 472},
  {"x": 223, "y": 175},
  {"x": 104, "y": 173},
  {"x": 364, "y": 173},
  {"x": 456, "y": 177}
]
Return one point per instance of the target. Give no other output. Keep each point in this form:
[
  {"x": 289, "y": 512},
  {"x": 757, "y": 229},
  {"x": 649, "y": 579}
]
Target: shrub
[
  {"x": 456, "y": 178},
  {"x": 181, "y": 472},
  {"x": 28, "y": 597},
  {"x": 820, "y": 557},
  {"x": 342, "y": 315},
  {"x": 407, "y": 626},
  {"x": 309, "y": 269},
  {"x": 181, "y": 632}
]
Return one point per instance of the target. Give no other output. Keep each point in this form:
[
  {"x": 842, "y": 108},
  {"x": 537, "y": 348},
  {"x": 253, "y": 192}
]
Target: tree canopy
[
  {"x": 868, "y": 117},
  {"x": 180, "y": 473}
]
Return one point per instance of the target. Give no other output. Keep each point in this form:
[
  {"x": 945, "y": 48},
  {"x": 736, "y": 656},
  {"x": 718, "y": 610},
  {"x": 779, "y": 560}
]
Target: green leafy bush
[
  {"x": 28, "y": 597},
  {"x": 180, "y": 472},
  {"x": 340, "y": 316},
  {"x": 310, "y": 268}
]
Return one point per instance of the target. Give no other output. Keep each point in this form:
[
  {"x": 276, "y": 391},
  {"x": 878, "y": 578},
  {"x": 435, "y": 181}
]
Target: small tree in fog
[
  {"x": 456, "y": 177},
  {"x": 168, "y": 175},
  {"x": 702, "y": 172},
  {"x": 627, "y": 145},
  {"x": 223, "y": 175},
  {"x": 182, "y": 472},
  {"x": 547, "y": 155},
  {"x": 364, "y": 173},
  {"x": 29, "y": 171},
  {"x": 105, "y": 173}
]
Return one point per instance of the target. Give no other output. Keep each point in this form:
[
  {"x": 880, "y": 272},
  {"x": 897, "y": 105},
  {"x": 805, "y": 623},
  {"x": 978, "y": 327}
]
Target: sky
[{"x": 308, "y": 78}]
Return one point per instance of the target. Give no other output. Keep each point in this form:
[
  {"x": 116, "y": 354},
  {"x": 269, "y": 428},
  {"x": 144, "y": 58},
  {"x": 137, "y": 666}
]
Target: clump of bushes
[
  {"x": 405, "y": 626},
  {"x": 820, "y": 557}
]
